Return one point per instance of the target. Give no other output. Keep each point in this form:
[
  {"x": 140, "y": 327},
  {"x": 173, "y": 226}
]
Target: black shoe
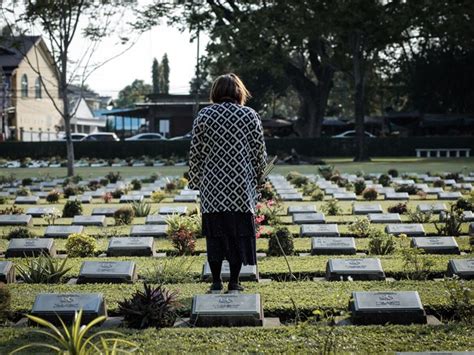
[
  {"x": 235, "y": 287},
  {"x": 216, "y": 286}
]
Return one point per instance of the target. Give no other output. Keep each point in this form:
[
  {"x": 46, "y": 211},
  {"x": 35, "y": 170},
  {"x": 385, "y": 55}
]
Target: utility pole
[{"x": 198, "y": 79}]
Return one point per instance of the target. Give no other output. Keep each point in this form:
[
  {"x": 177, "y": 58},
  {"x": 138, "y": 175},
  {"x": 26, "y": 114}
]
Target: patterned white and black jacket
[{"x": 227, "y": 157}]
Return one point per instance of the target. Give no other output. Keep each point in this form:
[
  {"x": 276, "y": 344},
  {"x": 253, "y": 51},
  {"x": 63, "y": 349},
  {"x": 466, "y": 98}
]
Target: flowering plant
[
  {"x": 267, "y": 213},
  {"x": 107, "y": 197}
]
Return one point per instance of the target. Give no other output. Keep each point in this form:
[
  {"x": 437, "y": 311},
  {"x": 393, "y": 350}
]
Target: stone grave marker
[
  {"x": 185, "y": 198},
  {"x": 357, "y": 269},
  {"x": 436, "y": 245},
  {"x": 433, "y": 190},
  {"x": 454, "y": 195},
  {"x": 308, "y": 218},
  {"x": 319, "y": 230},
  {"x": 464, "y": 268},
  {"x": 213, "y": 310},
  {"x": 397, "y": 196},
  {"x": 468, "y": 216},
  {"x": 384, "y": 218},
  {"x": 410, "y": 229},
  {"x": 107, "y": 272},
  {"x": 16, "y": 220},
  {"x": 189, "y": 193},
  {"x": 247, "y": 272},
  {"x": 40, "y": 211},
  {"x": 81, "y": 198},
  {"x": 431, "y": 207},
  {"x": 131, "y": 198},
  {"x": 131, "y": 246},
  {"x": 26, "y": 200},
  {"x": 21, "y": 247},
  {"x": 95, "y": 220},
  {"x": 333, "y": 246},
  {"x": 104, "y": 211},
  {"x": 7, "y": 272},
  {"x": 359, "y": 208},
  {"x": 49, "y": 306},
  {"x": 149, "y": 230},
  {"x": 155, "y": 219},
  {"x": 395, "y": 307},
  {"x": 166, "y": 210},
  {"x": 59, "y": 231},
  {"x": 302, "y": 209},
  {"x": 345, "y": 196},
  {"x": 291, "y": 197}
]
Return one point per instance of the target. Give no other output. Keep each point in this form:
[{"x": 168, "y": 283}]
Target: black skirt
[{"x": 230, "y": 236}]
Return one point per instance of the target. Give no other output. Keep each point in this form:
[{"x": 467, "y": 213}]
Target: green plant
[
  {"x": 80, "y": 245},
  {"x": 410, "y": 189},
  {"x": 3, "y": 200},
  {"x": 297, "y": 179},
  {"x": 136, "y": 184},
  {"x": 191, "y": 223},
  {"x": 417, "y": 216},
  {"x": 152, "y": 307},
  {"x": 118, "y": 192},
  {"x": 464, "y": 204},
  {"x": 158, "y": 196},
  {"x": 184, "y": 241},
  {"x": 51, "y": 216},
  {"x": 399, "y": 208},
  {"x": 5, "y": 299},
  {"x": 72, "y": 208},
  {"x": 107, "y": 197},
  {"x": 417, "y": 265},
  {"x": 141, "y": 208},
  {"x": 326, "y": 171},
  {"x": 370, "y": 194},
  {"x": 267, "y": 192},
  {"x": 267, "y": 212},
  {"x": 393, "y": 173},
  {"x": 173, "y": 271},
  {"x": 12, "y": 210},
  {"x": 280, "y": 236},
  {"x": 113, "y": 177},
  {"x": 331, "y": 208},
  {"x": 384, "y": 180},
  {"x": 308, "y": 188},
  {"x": 170, "y": 186},
  {"x": 20, "y": 232},
  {"x": 451, "y": 223},
  {"x": 42, "y": 270},
  {"x": 439, "y": 183},
  {"x": 317, "y": 195},
  {"x": 71, "y": 190},
  {"x": 381, "y": 243},
  {"x": 359, "y": 186},
  {"x": 124, "y": 216},
  {"x": 53, "y": 196},
  {"x": 23, "y": 191},
  {"x": 27, "y": 182},
  {"x": 181, "y": 183},
  {"x": 360, "y": 227},
  {"x": 76, "y": 339},
  {"x": 461, "y": 297}
]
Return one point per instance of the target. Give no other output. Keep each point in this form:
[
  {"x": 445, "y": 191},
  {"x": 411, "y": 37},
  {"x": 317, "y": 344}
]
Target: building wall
[{"x": 36, "y": 114}]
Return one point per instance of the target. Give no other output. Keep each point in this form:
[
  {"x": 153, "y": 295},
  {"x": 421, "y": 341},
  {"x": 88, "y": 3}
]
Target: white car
[
  {"x": 75, "y": 137},
  {"x": 146, "y": 137},
  {"x": 101, "y": 137},
  {"x": 352, "y": 134}
]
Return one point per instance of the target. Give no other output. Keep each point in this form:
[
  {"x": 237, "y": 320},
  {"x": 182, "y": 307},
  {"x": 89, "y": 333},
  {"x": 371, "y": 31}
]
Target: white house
[{"x": 83, "y": 119}]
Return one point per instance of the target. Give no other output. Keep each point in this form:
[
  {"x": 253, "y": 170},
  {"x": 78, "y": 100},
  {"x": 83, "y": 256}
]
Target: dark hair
[{"x": 229, "y": 87}]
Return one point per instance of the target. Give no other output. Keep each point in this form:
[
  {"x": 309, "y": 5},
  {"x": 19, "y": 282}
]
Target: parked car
[
  {"x": 146, "y": 137},
  {"x": 75, "y": 137},
  {"x": 102, "y": 137},
  {"x": 352, "y": 134},
  {"x": 187, "y": 136}
]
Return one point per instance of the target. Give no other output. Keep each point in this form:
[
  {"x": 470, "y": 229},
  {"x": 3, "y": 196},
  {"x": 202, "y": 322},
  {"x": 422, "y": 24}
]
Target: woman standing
[{"x": 226, "y": 163}]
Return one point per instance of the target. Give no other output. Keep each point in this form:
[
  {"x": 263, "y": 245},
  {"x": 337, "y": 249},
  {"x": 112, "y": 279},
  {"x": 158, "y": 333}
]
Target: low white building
[{"x": 83, "y": 119}]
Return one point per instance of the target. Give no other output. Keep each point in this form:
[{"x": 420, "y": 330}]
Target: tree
[
  {"x": 133, "y": 93},
  {"x": 60, "y": 22},
  {"x": 164, "y": 76},
  {"x": 155, "y": 76}
]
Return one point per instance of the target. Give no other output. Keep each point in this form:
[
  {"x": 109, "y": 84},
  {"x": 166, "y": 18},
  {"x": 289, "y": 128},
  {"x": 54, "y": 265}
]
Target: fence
[{"x": 38, "y": 136}]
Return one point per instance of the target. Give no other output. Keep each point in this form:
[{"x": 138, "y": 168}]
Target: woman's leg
[
  {"x": 234, "y": 273},
  {"x": 216, "y": 267}
]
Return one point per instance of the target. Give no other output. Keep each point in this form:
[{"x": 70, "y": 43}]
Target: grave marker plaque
[
  {"x": 357, "y": 269},
  {"x": 131, "y": 198},
  {"x": 345, "y": 196},
  {"x": 16, "y": 220},
  {"x": 80, "y": 198},
  {"x": 51, "y": 305},
  {"x": 227, "y": 310},
  {"x": 463, "y": 268},
  {"x": 166, "y": 210},
  {"x": 291, "y": 197},
  {"x": 7, "y": 272},
  {"x": 360, "y": 209},
  {"x": 302, "y": 209},
  {"x": 436, "y": 245},
  {"x": 399, "y": 307},
  {"x": 397, "y": 196},
  {"x": 319, "y": 230},
  {"x": 21, "y": 247},
  {"x": 468, "y": 216},
  {"x": 26, "y": 200},
  {"x": 155, "y": 219},
  {"x": 410, "y": 229},
  {"x": 185, "y": 198},
  {"x": 62, "y": 231},
  {"x": 431, "y": 207},
  {"x": 104, "y": 211},
  {"x": 131, "y": 246},
  {"x": 384, "y": 218},
  {"x": 149, "y": 230},
  {"x": 107, "y": 272},
  {"x": 40, "y": 211},
  {"x": 247, "y": 272},
  {"x": 96, "y": 220},
  {"x": 308, "y": 218},
  {"x": 449, "y": 195},
  {"x": 333, "y": 246}
]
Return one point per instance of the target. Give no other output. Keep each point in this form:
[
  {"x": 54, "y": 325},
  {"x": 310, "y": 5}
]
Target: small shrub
[
  {"x": 267, "y": 212},
  {"x": 93, "y": 185},
  {"x": 380, "y": 243},
  {"x": 23, "y": 191},
  {"x": 359, "y": 186},
  {"x": 267, "y": 192},
  {"x": 181, "y": 183},
  {"x": 317, "y": 195},
  {"x": 331, "y": 208},
  {"x": 12, "y": 210},
  {"x": 393, "y": 173},
  {"x": 438, "y": 183},
  {"x": 124, "y": 216},
  {"x": 370, "y": 194},
  {"x": 103, "y": 182},
  {"x": 326, "y": 171},
  {"x": 400, "y": 208},
  {"x": 280, "y": 242},
  {"x": 72, "y": 208},
  {"x": 410, "y": 189},
  {"x": 27, "y": 182},
  {"x": 70, "y": 190},
  {"x": 152, "y": 307},
  {"x": 422, "y": 195},
  {"x": 170, "y": 186},
  {"x": 417, "y": 265},
  {"x": 384, "y": 180},
  {"x": 20, "y": 232},
  {"x": 80, "y": 245},
  {"x": 173, "y": 271},
  {"x": 158, "y": 196},
  {"x": 452, "y": 222},
  {"x": 42, "y": 270},
  {"x": 308, "y": 188},
  {"x": 119, "y": 192},
  {"x": 51, "y": 216},
  {"x": 113, "y": 177},
  {"x": 141, "y": 208},
  {"x": 361, "y": 227},
  {"x": 299, "y": 180},
  {"x": 5, "y": 299},
  {"x": 464, "y": 204},
  {"x": 3, "y": 200},
  {"x": 417, "y": 216},
  {"x": 107, "y": 197},
  {"x": 184, "y": 241},
  {"x": 461, "y": 298},
  {"x": 136, "y": 184},
  {"x": 53, "y": 196}
]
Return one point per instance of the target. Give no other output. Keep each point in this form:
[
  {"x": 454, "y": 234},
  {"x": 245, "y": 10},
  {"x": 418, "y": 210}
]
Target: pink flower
[
  {"x": 259, "y": 219},
  {"x": 259, "y": 232},
  {"x": 259, "y": 206},
  {"x": 270, "y": 203}
]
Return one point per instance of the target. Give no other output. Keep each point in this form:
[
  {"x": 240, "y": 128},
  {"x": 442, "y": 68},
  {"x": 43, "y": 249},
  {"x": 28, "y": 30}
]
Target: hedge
[
  {"x": 320, "y": 147},
  {"x": 290, "y": 339}
]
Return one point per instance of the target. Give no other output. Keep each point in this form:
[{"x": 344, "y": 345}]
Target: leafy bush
[
  {"x": 317, "y": 195},
  {"x": 400, "y": 208},
  {"x": 70, "y": 190},
  {"x": 152, "y": 307},
  {"x": 410, "y": 189},
  {"x": 461, "y": 298},
  {"x": 438, "y": 183},
  {"x": 107, "y": 197},
  {"x": 136, "y": 184},
  {"x": 191, "y": 223},
  {"x": 93, "y": 185},
  {"x": 12, "y": 210},
  {"x": 3, "y": 200},
  {"x": 72, "y": 208},
  {"x": 359, "y": 186},
  {"x": 326, "y": 171},
  {"x": 451, "y": 222},
  {"x": 331, "y": 208},
  {"x": 393, "y": 173},
  {"x": 173, "y": 271},
  {"x": 141, "y": 208},
  {"x": 113, "y": 177},
  {"x": 370, "y": 194},
  {"x": 297, "y": 179},
  {"x": 124, "y": 216},
  {"x": 53, "y": 196},
  {"x": 51, "y": 216},
  {"x": 267, "y": 212},
  {"x": 184, "y": 241},
  {"x": 42, "y": 270},
  {"x": 417, "y": 265},
  {"x": 417, "y": 216},
  {"x": 308, "y": 188},
  {"x": 27, "y": 182},
  {"x": 23, "y": 191},
  {"x": 384, "y": 180},
  {"x": 360, "y": 227},
  {"x": 158, "y": 196},
  {"x": 80, "y": 245},
  {"x": 280, "y": 242},
  {"x": 170, "y": 186},
  {"x": 267, "y": 192},
  {"x": 20, "y": 232},
  {"x": 464, "y": 204},
  {"x": 381, "y": 243},
  {"x": 181, "y": 183},
  {"x": 119, "y": 192},
  {"x": 5, "y": 299}
]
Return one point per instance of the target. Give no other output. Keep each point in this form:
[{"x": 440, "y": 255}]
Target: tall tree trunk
[
  {"x": 66, "y": 115},
  {"x": 361, "y": 153}
]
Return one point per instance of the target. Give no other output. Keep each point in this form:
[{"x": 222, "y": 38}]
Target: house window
[
  {"x": 38, "y": 88},
  {"x": 24, "y": 86}
]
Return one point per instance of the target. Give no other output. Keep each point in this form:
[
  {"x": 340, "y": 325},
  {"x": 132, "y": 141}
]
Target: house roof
[{"x": 13, "y": 50}]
